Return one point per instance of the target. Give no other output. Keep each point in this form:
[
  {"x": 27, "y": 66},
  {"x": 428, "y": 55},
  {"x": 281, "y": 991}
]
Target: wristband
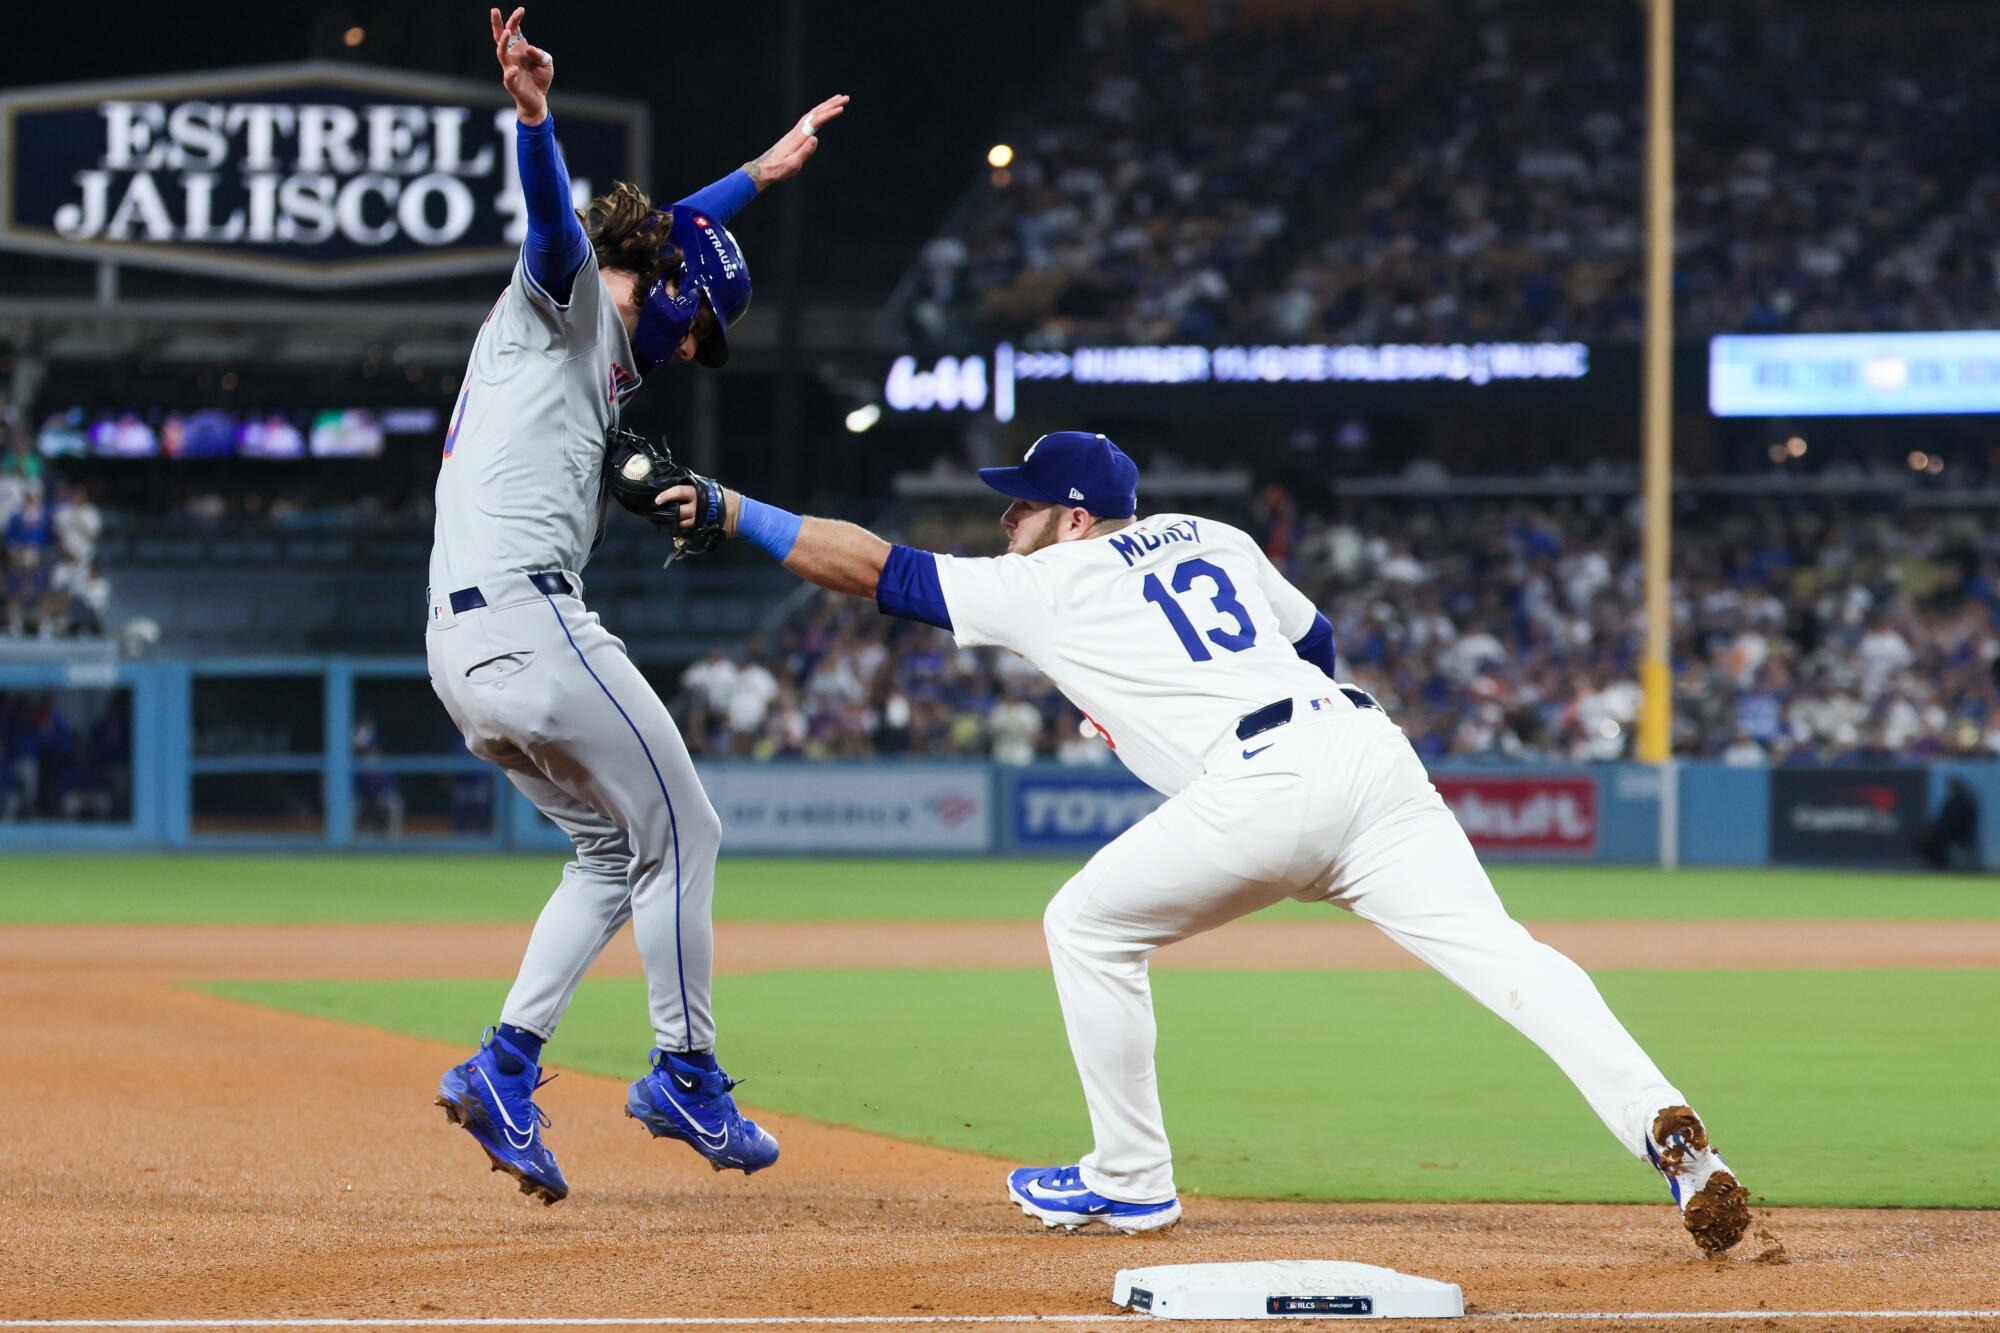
[{"x": 775, "y": 530}]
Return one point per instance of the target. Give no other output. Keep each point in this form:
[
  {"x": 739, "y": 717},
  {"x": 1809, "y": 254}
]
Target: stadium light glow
[
  {"x": 864, "y": 417},
  {"x": 1000, "y": 155},
  {"x": 354, "y": 36}
]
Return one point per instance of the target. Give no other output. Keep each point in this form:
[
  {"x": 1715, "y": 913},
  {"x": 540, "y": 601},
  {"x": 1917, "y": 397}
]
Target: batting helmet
[{"x": 712, "y": 269}]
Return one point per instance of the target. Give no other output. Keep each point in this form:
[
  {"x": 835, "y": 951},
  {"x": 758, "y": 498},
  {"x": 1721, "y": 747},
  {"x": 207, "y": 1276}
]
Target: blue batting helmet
[{"x": 712, "y": 269}]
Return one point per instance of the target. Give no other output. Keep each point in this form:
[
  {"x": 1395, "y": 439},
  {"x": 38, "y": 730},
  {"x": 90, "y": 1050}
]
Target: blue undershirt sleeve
[
  {"x": 909, "y": 588},
  {"x": 1317, "y": 646},
  {"x": 556, "y": 247},
  {"x": 724, "y": 199}
]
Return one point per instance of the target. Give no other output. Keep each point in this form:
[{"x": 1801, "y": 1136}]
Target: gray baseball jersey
[
  {"x": 521, "y": 488},
  {"x": 535, "y": 682}
]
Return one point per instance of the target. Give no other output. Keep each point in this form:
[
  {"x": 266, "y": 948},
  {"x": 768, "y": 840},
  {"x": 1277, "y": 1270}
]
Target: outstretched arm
[
  {"x": 783, "y": 159},
  {"x": 725, "y": 198},
  {"x": 841, "y": 557}
]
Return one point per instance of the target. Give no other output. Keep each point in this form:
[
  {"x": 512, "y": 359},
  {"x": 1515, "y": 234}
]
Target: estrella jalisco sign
[{"x": 311, "y": 175}]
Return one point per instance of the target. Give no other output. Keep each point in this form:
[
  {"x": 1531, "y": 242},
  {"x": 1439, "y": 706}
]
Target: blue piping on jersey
[{"x": 673, "y": 825}]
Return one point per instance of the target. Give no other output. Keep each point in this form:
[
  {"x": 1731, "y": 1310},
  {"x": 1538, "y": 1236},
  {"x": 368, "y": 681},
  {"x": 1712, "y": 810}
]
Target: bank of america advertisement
[
  {"x": 860, "y": 808},
  {"x": 307, "y": 175}
]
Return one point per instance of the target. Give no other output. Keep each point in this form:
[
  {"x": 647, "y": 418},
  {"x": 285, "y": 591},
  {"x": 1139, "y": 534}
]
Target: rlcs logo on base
[{"x": 1525, "y": 814}]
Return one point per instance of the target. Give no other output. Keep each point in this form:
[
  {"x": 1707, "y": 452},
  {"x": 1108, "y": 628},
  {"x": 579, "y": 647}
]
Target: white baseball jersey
[
  {"x": 1165, "y": 633},
  {"x": 521, "y": 488}
]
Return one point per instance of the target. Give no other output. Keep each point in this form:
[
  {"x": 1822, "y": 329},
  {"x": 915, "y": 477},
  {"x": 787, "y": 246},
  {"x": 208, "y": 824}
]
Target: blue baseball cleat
[
  {"x": 498, "y": 1109},
  {"x": 682, "y": 1100},
  {"x": 1058, "y": 1196}
]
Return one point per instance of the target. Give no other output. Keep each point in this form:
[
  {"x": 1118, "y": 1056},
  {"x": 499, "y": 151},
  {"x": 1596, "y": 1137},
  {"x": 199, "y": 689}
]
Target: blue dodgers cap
[{"x": 1072, "y": 467}]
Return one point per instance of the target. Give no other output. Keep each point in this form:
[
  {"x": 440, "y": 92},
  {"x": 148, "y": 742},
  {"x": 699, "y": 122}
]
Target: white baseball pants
[
  {"x": 543, "y": 690},
  {"x": 1337, "y": 808}
]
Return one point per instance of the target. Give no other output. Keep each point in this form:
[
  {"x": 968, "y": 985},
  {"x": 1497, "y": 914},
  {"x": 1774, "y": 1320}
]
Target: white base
[{"x": 1284, "y": 1289}]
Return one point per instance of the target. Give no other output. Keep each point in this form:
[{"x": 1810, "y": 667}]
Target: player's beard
[{"x": 1034, "y": 532}]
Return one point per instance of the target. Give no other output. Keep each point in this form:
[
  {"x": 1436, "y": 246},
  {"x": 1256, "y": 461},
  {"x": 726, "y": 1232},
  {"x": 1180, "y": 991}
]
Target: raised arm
[
  {"x": 782, "y": 160},
  {"x": 556, "y": 248}
]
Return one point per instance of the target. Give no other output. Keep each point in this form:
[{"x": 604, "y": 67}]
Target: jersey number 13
[{"x": 1224, "y": 601}]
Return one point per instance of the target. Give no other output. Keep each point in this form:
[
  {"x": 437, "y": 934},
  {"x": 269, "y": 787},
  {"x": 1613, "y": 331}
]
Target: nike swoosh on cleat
[
  {"x": 1252, "y": 754},
  {"x": 1098, "y": 1208},
  {"x": 715, "y": 1141},
  {"x": 527, "y": 1136},
  {"x": 686, "y": 1084}
]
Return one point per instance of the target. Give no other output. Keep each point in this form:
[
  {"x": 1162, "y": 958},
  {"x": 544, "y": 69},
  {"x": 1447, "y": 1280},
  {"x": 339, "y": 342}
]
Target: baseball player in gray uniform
[{"x": 538, "y": 686}]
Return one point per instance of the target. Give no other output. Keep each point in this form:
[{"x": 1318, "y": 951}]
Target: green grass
[
  {"x": 1850, "y": 1088},
  {"x": 42, "y": 890}
]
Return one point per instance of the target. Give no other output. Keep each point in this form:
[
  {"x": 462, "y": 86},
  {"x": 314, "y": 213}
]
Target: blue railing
[{"x": 1607, "y": 813}]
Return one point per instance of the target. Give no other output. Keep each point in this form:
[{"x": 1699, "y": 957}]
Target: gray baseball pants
[{"x": 539, "y": 687}]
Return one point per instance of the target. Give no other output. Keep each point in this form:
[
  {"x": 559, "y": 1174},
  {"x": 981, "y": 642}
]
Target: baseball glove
[{"x": 640, "y": 469}]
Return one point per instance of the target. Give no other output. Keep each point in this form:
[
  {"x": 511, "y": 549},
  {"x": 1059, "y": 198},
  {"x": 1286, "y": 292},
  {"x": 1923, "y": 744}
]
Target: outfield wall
[{"x": 263, "y": 754}]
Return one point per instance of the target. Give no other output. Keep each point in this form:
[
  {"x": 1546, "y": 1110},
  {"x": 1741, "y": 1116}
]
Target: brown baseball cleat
[{"x": 1715, "y": 1209}]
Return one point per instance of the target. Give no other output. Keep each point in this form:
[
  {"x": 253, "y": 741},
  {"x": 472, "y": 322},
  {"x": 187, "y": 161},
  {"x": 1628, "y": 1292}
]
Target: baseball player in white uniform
[
  {"x": 535, "y": 682},
  {"x": 1212, "y": 679}
]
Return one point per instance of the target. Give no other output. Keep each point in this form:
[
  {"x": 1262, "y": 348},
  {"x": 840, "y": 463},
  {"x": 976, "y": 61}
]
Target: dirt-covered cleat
[{"x": 1715, "y": 1208}]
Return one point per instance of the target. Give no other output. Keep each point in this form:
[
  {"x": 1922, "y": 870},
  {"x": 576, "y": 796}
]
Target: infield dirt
[{"x": 178, "y": 1155}]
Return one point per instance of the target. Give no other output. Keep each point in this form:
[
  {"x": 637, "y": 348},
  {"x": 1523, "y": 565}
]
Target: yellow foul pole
[{"x": 1656, "y": 673}]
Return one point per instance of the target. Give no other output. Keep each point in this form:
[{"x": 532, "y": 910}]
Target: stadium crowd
[
  {"x": 1507, "y": 631},
  {"x": 50, "y": 585},
  {"x": 1477, "y": 176},
  {"x": 1158, "y": 170}
]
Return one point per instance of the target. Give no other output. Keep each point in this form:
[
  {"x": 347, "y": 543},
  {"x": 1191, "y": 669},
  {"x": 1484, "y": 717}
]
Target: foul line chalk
[{"x": 751, "y": 1321}]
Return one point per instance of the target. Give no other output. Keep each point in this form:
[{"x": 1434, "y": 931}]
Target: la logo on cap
[{"x": 1031, "y": 449}]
